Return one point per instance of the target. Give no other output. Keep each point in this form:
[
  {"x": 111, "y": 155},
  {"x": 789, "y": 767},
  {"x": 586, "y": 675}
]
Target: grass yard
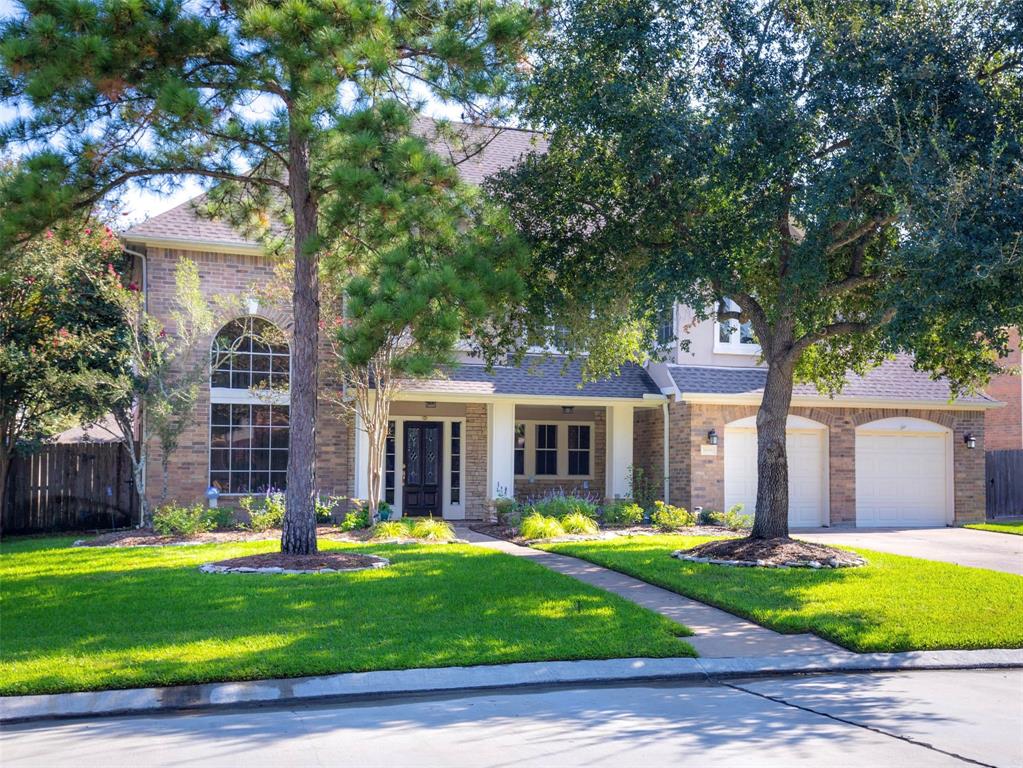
[
  {"x": 893, "y": 603},
  {"x": 1009, "y": 526},
  {"x": 91, "y": 618}
]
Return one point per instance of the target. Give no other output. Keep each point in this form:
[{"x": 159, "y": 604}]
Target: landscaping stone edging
[
  {"x": 378, "y": 562},
  {"x": 814, "y": 564},
  {"x": 453, "y": 679}
]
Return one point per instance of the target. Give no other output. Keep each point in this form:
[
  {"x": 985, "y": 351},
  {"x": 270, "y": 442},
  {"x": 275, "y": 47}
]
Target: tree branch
[{"x": 842, "y": 328}]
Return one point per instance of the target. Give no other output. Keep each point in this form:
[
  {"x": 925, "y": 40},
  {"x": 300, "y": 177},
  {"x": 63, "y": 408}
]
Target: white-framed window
[
  {"x": 546, "y": 456},
  {"x": 249, "y": 408},
  {"x": 455, "y": 472},
  {"x": 666, "y": 328},
  {"x": 555, "y": 449},
  {"x": 579, "y": 449},
  {"x": 733, "y": 337},
  {"x": 390, "y": 464}
]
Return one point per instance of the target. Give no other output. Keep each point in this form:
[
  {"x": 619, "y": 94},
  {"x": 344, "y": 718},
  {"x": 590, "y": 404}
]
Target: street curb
[{"x": 15, "y": 709}]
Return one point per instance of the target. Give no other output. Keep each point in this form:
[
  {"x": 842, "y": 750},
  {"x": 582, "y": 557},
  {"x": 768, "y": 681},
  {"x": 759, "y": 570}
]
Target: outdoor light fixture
[
  {"x": 431, "y": 404},
  {"x": 568, "y": 409},
  {"x": 712, "y": 437},
  {"x": 970, "y": 440},
  {"x": 252, "y": 304}
]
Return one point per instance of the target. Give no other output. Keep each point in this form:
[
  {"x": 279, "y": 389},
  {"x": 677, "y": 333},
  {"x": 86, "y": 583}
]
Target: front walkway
[
  {"x": 962, "y": 546},
  {"x": 717, "y": 634}
]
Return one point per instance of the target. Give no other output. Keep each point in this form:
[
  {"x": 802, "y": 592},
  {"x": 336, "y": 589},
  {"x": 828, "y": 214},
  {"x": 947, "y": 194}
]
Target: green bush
[
  {"x": 708, "y": 517},
  {"x": 622, "y": 512},
  {"x": 357, "y": 518},
  {"x": 432, "y": 529},
  {"x": 536, "y": 526},
  {"x": 559, "y": 505},
  {"x": 393, "y": 529},
  {"x": 577, "y": 522},
  {"x": 507, "y": 510},
  {"x": 175, "y": 520},
  {"x": 734, "y": 520},
  {"x": 667, "y": 517},
  {"x": 269, "y": 514},
  {"x": 644, "y": 490},
  {"x": 325, "y": 507}
]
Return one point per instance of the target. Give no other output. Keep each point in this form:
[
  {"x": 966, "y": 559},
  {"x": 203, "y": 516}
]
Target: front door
[{"x": 421, "y": 487}]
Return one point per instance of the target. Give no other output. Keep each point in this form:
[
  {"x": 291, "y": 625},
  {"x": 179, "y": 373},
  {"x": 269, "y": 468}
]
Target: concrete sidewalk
[{"x": 718, "y": 634}]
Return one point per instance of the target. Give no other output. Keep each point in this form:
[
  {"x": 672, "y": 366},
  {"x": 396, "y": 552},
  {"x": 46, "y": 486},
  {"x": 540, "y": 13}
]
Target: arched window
[{"x": 249, "y": 413}]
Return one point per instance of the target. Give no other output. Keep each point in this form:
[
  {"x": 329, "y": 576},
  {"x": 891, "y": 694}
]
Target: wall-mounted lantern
[
  {"x": 970, "y": 440},
  {"x": 712, "y": 437}
]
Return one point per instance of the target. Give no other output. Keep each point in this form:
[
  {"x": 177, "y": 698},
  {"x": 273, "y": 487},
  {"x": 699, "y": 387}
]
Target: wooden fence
[
  {"x": 1004, "y": 483},
  {"x": 76, "y": 486}
]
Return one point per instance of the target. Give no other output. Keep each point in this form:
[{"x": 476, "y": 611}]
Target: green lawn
[
  {"x": 892, "y": 604},
  {"x": 83, "y": 618},
  {"x": 1012, "y": 526}
]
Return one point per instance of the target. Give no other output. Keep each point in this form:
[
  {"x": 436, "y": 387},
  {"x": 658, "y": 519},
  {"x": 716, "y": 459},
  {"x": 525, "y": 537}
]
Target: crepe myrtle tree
[
  {"x": 423, "y": 262},
  {"x": 847, "y": 173},
  {"x": 244, "y": 93},
  {"x": 60, "y": 334}
]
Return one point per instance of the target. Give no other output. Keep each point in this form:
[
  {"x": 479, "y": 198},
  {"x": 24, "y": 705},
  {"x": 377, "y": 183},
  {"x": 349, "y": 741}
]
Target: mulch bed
[
  {"x": 147, "y": 537},
  {"x": 509, "y": 533},
  {"x": 770, "y": 553},
  {"x": 316, "y": 562}
]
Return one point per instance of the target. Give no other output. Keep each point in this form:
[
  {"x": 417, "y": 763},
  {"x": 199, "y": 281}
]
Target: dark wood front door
[{"x": 421, "y": 489}]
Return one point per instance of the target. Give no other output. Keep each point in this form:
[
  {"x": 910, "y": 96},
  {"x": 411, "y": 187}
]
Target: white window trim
[
  {"x": 734, "y": 346},
  {"x": 529, "y": 465},
  {"x": 227, "y": 396}
]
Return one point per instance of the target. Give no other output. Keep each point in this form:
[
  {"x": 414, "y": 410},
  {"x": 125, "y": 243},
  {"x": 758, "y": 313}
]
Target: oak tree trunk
[
  {"x": 772, "y": 514},
  {"x": 299, "y": 534}
]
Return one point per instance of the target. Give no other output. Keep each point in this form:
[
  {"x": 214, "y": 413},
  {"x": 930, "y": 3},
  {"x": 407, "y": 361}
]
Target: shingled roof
[
  {"x": 479, "y": 152},
  {"x": 893, "y": 380},
  {"x": 538, "y": 375}
]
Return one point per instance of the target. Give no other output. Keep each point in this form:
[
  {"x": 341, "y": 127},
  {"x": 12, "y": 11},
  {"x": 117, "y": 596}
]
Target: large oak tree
[
  {"x": 245, "y": 93},
  {"x": 848, "y": 173}
]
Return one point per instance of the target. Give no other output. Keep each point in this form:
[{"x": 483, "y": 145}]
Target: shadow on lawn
[{"x": 151, "y": 623}]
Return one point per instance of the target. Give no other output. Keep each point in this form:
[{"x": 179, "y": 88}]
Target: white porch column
[
  {"x": 361, "y": 458},
  {"x": 619, "y": 450},
  {"x": 501, "y": 449}
]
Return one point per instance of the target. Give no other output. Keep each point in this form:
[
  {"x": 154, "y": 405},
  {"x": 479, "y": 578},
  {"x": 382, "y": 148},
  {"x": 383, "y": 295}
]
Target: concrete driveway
[{"x": 980, "y": 549}]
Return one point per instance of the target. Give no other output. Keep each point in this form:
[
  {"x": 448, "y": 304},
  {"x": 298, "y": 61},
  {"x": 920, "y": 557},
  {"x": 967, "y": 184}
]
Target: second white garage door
[
  {"x": 805, "y": 445},
  {"x": 902, "y": 474}
]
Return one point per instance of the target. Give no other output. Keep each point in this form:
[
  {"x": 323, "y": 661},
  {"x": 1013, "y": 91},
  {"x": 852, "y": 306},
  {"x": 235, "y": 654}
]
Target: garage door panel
[
  {"x": 901, "y": 480},
  {"x": 806, "y": 474}
]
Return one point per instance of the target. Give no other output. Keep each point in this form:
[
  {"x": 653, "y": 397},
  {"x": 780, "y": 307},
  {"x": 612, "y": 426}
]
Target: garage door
[
  {"x": 805, "y": 450},
  {"x": 901, "y": 476}
]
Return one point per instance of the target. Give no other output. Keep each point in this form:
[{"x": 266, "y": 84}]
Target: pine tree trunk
[
  {"x": 299, "y": 534},
  {"x": 772, "y": 515}
]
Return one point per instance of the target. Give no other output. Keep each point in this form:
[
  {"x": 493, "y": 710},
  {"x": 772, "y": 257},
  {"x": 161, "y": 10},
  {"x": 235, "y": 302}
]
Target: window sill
[{"x": 749, "y": 350}]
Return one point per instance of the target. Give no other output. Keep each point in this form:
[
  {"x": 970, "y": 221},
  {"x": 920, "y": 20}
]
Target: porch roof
[
  {"x": 538, "y": 376},
  {"x": 893, "y": 380}
]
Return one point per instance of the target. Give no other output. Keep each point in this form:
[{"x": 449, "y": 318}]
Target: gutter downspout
[{"x": 666, "y": 452}]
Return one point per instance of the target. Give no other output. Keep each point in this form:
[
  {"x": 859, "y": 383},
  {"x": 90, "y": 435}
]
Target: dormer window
[{"x": 733, "y": 337}]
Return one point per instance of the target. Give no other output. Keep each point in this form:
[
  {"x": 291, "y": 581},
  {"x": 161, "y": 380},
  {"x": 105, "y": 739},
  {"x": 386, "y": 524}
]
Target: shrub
[
  {"x": 269, "y": 514},
  {"x": 432, "y": 529},
  {"x": 622, "y": 512},
  {"x": 709, "y": 517},
  {"x": 325, "y": 507},
  {"x": 734, "y": 520},
  {"x": 644, "y": 490},
  {"x": 559, "y": 505},
  {"x": 536, "y": 526},
  {"x": 356, "y": 518},
  {"x": 384, "y": 510},
  {"x": 507, "y": 510},
  {"x": 393, "y": 529},
  {"x": 667, "y": 517},
  {"x": 577, "y": 522},
  {"x": 175, "y": 520}
]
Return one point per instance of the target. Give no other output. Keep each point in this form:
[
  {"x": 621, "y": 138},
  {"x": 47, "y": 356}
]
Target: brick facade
[
  {"x": 593, "y": 487},
  {"x": 1003, "y": 427}
]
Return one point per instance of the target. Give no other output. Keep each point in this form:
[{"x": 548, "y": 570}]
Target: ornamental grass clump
[
  {"x": 536, "y": 526},
  {"x": 432, "y": 529},
  {"x": 393, "y": 529},
  {"x": 577, "y": 522},
  {"x": 559, "y": 505},
  {"x": 667, "y": 517}
]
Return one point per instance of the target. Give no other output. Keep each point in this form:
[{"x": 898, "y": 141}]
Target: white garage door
[
  {"x": 806, "y": 473},
  {"x": 901, "y": 477}
]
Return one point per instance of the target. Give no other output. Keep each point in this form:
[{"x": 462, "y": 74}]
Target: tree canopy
[
  {"x": 249, "y": 94},
  {"x": 849, "y": 173}
]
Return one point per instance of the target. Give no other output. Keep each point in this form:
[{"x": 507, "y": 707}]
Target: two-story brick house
[{"x": 891, "y": 450}]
